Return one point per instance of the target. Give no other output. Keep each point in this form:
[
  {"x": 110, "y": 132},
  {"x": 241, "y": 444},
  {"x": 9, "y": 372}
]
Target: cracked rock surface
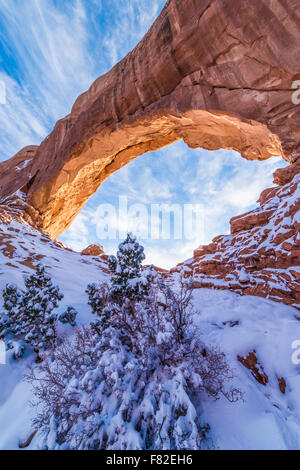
[{"x": 216, "y": 73}]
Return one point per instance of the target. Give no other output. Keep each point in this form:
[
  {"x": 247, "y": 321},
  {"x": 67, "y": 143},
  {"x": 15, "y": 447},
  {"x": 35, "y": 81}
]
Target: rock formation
[
  {"x": 93, "y": 250},
  {"x": 215, "y": 73},
  {"x": 262, "y": 254}
]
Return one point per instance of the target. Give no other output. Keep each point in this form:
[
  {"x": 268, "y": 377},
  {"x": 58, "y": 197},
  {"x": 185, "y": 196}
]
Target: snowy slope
[
  {"x": 21, "y": 248},
  {"x": 266, "y": 419}
]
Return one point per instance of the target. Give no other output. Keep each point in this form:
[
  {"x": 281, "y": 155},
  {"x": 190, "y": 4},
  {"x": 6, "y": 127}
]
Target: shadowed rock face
[
  {"x": 216, "y": 73},
  {"x": 261, "y": 256}
]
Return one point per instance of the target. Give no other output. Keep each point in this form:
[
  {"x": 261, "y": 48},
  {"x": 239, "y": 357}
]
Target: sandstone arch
[{"x": 216, "y": 73}]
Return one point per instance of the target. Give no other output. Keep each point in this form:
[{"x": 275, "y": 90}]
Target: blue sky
[{"x": 50, "y": 52}]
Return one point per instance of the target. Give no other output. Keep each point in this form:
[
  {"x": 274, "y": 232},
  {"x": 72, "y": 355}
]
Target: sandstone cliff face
[
  {"x": 93, "y": 250},
  {"x": 216, "y": 73},
  {"x": 262, "y": 254}
]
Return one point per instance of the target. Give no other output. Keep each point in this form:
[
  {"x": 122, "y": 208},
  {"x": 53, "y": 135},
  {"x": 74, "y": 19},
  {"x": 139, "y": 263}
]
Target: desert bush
[
  {"x": 29, "y": 316},
  {"x": 68, "y": 316},
  {"x": 128, "y": 279},
  {"x": 133, "y": 381}
]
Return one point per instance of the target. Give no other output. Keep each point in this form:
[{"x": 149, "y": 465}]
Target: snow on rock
[
  {"x": 23, "y": 247},
  {"x": 238, "y": 325},
  {"x": 262, "y": 254},
  {"x": 242, "y": 326},
  {"x": 94, "y": 250}
]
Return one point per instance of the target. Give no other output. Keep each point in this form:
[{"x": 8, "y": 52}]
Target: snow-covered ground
[{"x": 266, "y": 419}]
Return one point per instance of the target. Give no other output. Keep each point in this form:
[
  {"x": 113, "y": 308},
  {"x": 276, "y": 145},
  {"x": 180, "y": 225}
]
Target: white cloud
[
  {"x": 77, "y": 236},
  {"x": 49, "y": 50},
  {"x": 57, "y": 50}
]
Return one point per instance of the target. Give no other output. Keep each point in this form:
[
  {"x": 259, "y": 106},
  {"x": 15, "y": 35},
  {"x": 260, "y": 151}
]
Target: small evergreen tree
[
  {"x": 10, "y": 321},
  {"x": 69, "y": 316},
  {"x": 146, "y": 372},
  {"x": 30, "y": 316},
  {"x": 101, "y": 305},
  {"x": 129, "y": 280},
  {"x": 39, "y": 301}
]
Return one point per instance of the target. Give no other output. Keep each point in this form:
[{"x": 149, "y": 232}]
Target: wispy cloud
[
  {"x": 45, "y": 67},
  {"x": 50, "y": 52},
  {"x": 222, "y": 182}
]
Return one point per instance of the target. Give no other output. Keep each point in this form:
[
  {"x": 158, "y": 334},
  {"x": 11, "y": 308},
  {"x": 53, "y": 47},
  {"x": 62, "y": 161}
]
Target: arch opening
[
  {"x": 220, "y": 183},
  {"x": 60, "y": 193}
]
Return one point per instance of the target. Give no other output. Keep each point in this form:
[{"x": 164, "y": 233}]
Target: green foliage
[
  {"x": 40, "y": 299},
  {"x": 30, "y": 316},
  {"x": 129, "y": 280},
  {"x": 69, "y": 316},
  {"x": 10, "y": 320}
]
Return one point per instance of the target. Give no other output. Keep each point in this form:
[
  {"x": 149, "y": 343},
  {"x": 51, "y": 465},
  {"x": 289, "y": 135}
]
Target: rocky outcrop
[
  {"x": 262, "y": 254},
  {"x": 281, "y": 384},
  {"x": 23, "y": 245},
  {"x": 216, "y": 73},
  {"x": 15, "y": 173},
  {"x": 257, "y": 370},
  {"x": 97, "y": 251},
  {"x": 93, "y": 250}
]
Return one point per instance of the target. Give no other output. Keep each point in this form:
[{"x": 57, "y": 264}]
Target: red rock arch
[{"x": 216, "y": 73}]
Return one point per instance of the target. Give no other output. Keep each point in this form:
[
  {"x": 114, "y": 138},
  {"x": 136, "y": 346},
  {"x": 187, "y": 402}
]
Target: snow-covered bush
[
  {"x": 29, "y": 316},
  {"x": 129, "y": 284},
  {"x": 134, "y": 383},
  {"x": 129, "y": 280},
  {"x": 69, "y": 316},
  {"x": 10, "y": 320},
  {"x": 38, "y": 319}
]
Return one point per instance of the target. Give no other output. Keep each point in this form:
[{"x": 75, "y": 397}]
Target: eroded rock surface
[
  {"x": 216, "y": 73},
  {"x": 93, "y": 250},
  {"x": 261, "y": 256}
]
